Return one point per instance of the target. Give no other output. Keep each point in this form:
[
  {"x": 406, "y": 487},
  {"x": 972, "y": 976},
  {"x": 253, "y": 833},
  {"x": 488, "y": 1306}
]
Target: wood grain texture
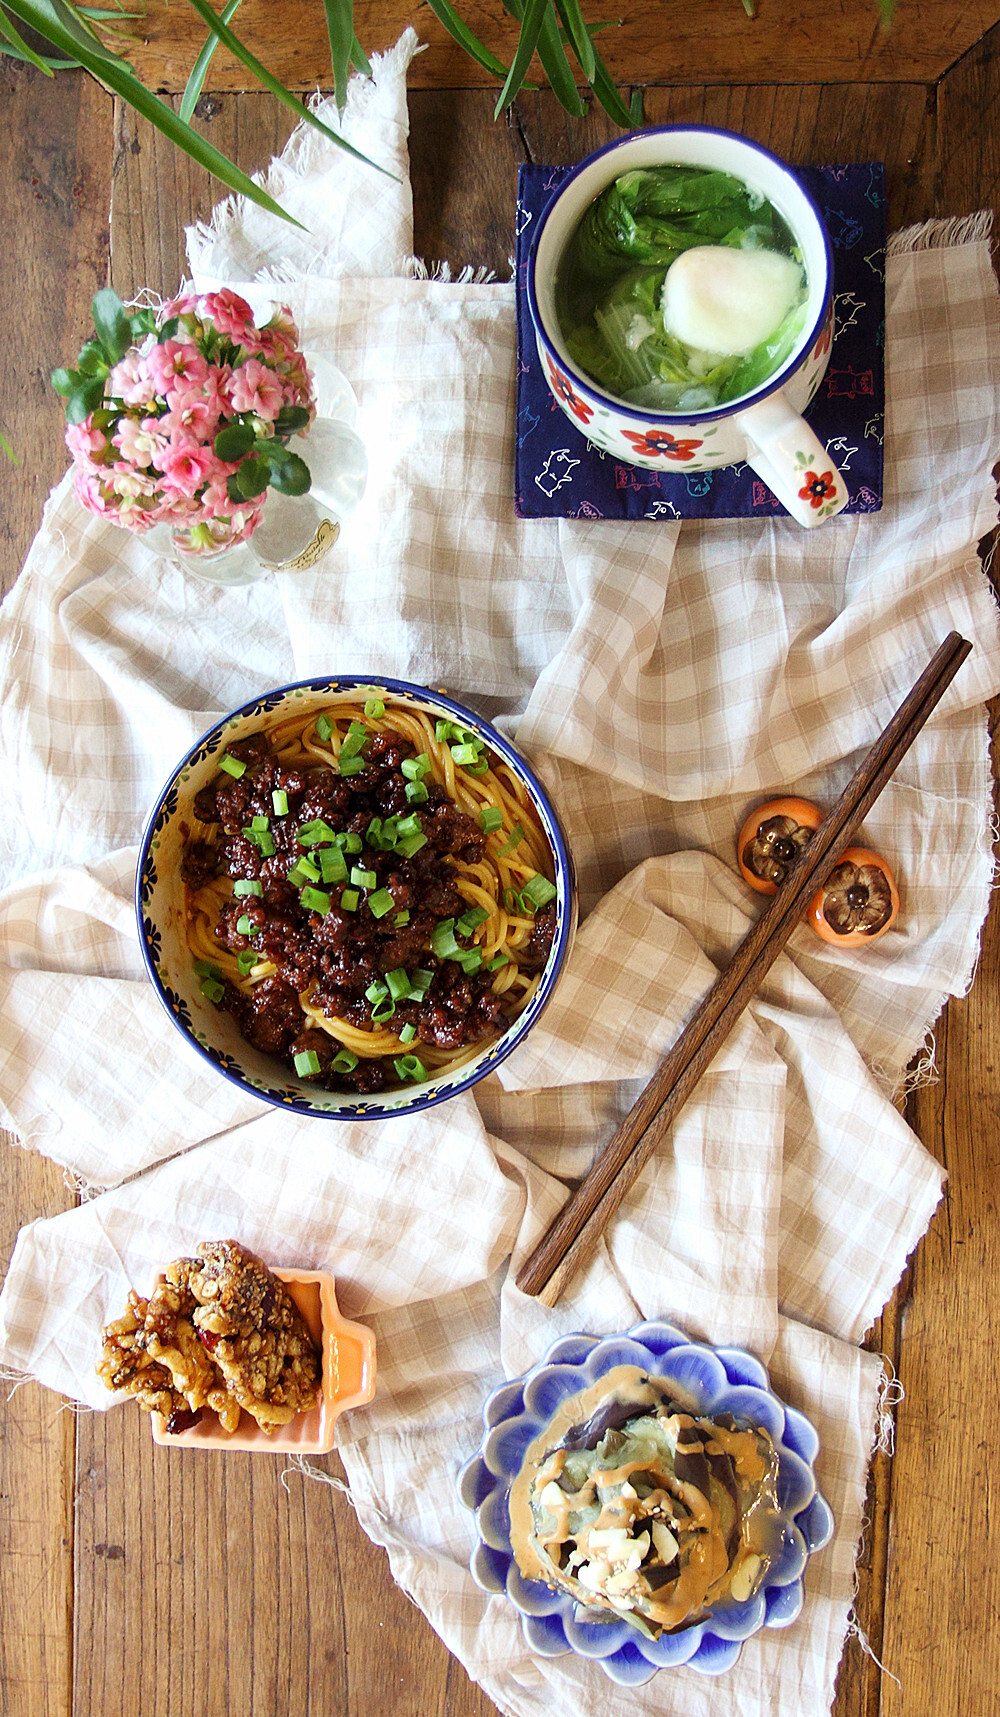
[
  {"x": 54, "y": 165},
  {"x": 660, "y": 41}
]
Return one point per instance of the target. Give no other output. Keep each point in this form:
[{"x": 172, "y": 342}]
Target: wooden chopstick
[{"x": 574, "y": 1233}]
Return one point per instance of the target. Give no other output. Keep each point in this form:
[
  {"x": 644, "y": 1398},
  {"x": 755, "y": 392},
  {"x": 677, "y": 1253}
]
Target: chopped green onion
[
  {"x": 312, "y": 834},
  {"x": 411, "y": 845},
  {"x": 469, "y": 920},
  {"x": 279, "y": 799},
  {"x": 481, "y": 767},
  {"x": 343, "y": 1062},
  {"x": 306, "y": 1063},
  {"x": 247, "y": 960},
  {"x": 409, "y": 1067},
  {"x": 470, "y": 960},
  {"x": 383, "y": 1010},
  {"x": 399, "y": 984},
  {"x": 465, "y": 753},
  {"x": 212, "y": 990},
  {"x": 445, "y": 730},
  {"x": 246, "y": 886},
  {"x": 401, "y": 918},
  {"x": 363, "y": 878},
  {"x": 348, "y": 842},
  {"x": 303, "y": 870},
  {"x": 232, "y": 766},
  {"x": 415, "y": 768},
  {"x": 265, "y": 844},
  {"x": 315, "y": 900},
  {"x": 491, "y": 819},
  {"x": 374, "y": 708},
  {"x": 443, "y": 942},
  {"x": 376, "y": 992},
  {"x": 516, "y": 837},
  {"x": 259, "y": 823},
  {"x": 332, "y": 864},
  {"x": 355, "y": 740},
  {"x": 420, "y": 982},
  {"x": 538, "y": 890},
  {"x": 407, "y": 1033},
  {"x": 373, "y": 834},
  {"x": 512, "y": 901},
  {"x": 324, "y": 726},
  {"x": 380, "y": 903},
  {"x": 351, "y": 765},
  {"x": 205, "y": 969},
  {"x": 389, "y": 831},
  {"x": 410, "y": 825},
  {"x": 245, "y": 926},
  {"x": 349, "y": 898},
  {"x": 497, "y": 961},
  {"x": 416, "y": 793}
]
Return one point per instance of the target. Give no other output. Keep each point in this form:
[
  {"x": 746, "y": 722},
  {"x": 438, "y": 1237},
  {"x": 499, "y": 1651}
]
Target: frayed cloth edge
[{"x": 942, "y": 234}]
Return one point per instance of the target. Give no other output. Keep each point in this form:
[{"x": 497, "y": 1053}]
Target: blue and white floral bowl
[
  {"x": 720, "y": 1380},
  {"x": 160, "y": 909}
]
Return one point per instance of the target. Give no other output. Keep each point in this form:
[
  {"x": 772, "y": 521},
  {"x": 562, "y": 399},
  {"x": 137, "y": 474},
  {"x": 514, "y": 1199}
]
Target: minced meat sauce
[{"x": 337, "y": 955}]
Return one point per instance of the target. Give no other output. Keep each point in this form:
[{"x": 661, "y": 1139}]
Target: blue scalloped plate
[
  {"x": 720, "y": 1380},
  {"x": 159, "y": 905}
]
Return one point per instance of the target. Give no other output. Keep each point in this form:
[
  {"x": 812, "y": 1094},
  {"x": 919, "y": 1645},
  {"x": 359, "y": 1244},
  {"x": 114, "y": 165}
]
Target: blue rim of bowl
[
  {"x": 745, "y": 401},
  {"x": 564, "y": 871},
  {"x": 571, "y": 1362}
]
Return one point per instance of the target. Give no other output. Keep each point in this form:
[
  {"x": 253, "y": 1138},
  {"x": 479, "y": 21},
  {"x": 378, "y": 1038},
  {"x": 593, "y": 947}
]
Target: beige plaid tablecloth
[{"x": 664, "y": 677}]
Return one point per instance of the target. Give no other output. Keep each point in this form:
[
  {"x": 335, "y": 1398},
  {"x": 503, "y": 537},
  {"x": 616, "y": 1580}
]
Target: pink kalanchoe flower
[
  {"x": 228, "y": 313},
  {"x": 84, "y": 441},
  {"x": 253, "y": 387},
  {"x": 174, "y": 363},
  {"x": 130, "y": 380},
  {"x": 186, "y": 468},
  {"x": 191, "y": 417},
  {"x": 140, "y": 442}
]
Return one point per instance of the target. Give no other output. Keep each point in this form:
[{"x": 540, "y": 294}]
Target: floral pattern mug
[{"x": 764, "y": 428}]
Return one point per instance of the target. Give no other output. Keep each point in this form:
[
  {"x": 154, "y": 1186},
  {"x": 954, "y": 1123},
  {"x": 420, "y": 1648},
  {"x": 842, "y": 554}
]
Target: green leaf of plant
[
  {"x": 232, "y": 442},
  {"x": 290, "y": 418},
  {"x": 233, "y": 489},
  {"x": 340, "y": 29},
  {"x": 66, "y": 382},
  {"x": 84, "y": 400},
  {"x": 12, "y": 53},
  {"x": 12, "y": 34},
  {"x": 457, "y": 28},
  {"x": 196, "y": 80},
  {"x": 360, "y": 60},
  {"x": 534, "y": 17},
  {"x": 93, "y": 360},
  {"x": 272, "y": 83},
  {"x": 142, "y": 322},
  {"x": 113, "y": 327},
  {"x": 576, "y": 28},
  {"x": 8, "y": 449},
  {"x": 64, "y": 26},
  {"x": 251, "y": 478},
  {"x": 603, "y": 87},
  {"x": 748, "y": 7},
  {"x": 292, "y": 476},
  {"x": 557, "y": 68},
  {"x": 122, "y": 81}
]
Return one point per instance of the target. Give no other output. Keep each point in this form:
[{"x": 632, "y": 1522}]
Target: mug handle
[{"x": 792, "y": 461}]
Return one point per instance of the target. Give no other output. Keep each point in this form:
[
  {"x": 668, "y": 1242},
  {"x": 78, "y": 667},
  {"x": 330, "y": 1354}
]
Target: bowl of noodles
[{"x": 354, "y": 898}]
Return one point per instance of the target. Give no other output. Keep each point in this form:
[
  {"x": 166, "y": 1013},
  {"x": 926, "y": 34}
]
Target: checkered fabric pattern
[{"x": 663, "y": 679}]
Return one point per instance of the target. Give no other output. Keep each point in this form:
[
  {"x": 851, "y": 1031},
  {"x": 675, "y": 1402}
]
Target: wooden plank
[
  {"x": 54, "y": 154},
  {"x": 659, "y": 41}
]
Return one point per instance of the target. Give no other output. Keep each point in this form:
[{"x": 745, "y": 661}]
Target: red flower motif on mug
[
  {"x": 817, "y": 489},
  {"x": 657, "y": 442},
  {"x": 824, "y": 340},
  {"x": 563, "y": 389}
]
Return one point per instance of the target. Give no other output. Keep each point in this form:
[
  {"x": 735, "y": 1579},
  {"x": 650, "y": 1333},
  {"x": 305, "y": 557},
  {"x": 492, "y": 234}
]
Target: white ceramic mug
[{"x": 764, "y": 428}]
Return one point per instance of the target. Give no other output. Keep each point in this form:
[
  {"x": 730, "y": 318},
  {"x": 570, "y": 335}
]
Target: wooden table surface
[{"x": 135, "y": 1582}]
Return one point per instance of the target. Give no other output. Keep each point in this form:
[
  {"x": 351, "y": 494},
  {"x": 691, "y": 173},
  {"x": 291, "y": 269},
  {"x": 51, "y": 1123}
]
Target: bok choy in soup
[{"x": 681, "y": 289}]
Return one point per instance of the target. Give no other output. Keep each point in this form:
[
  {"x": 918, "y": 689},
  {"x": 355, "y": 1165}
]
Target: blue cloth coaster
[{"x": 558, "y": 475}]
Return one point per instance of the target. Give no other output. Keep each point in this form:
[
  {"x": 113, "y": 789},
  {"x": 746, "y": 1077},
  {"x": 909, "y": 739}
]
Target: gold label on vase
[{"x": 326, "y": 536}]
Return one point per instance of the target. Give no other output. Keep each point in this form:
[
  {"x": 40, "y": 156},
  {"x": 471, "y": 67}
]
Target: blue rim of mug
[
  {"x": 745, "y": 401},
  {"x": 421, "y": 1098}
]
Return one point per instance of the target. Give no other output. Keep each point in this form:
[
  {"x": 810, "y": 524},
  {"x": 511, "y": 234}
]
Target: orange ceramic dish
[
  {"x": 772, "y": 838},
  {"x": 858, "y": 903},
  {"x": 348, "y": 1351}
]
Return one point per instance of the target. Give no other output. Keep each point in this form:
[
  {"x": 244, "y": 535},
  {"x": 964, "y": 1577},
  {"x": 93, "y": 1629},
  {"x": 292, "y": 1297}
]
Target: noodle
[{"x": 510, "y": 939}]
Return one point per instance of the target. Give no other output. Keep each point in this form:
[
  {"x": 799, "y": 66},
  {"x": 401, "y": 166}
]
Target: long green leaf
[
  {"x": 459, "y": 30},
  {"x": 340, "y": 29},
  {"x": 534, "y": 17},
  {"x": 360, "y": 60},
  {"x": 75, "y": 30},
  {"x": 557, "y": 68},
  {"x": 8, "y": 449},
  {"x": 579, "y": 35},
  {"x": 122, "y": 81},
  {"x": 199, "y": 71},
  {"x": 272, "y": 83},
  {"x": 603, "y": 87},
  {"x": 7, "y": 51},
  {"x": 12, "y": 34}
]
